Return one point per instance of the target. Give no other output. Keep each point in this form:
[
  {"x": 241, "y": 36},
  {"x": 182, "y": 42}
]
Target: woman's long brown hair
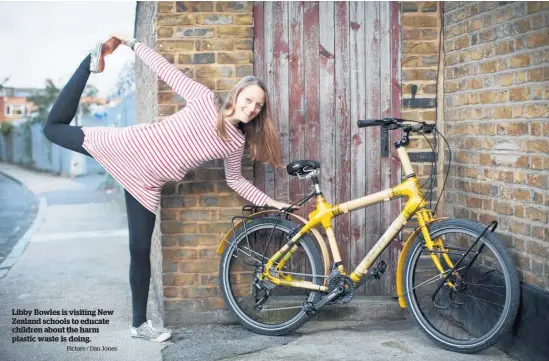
[{"x": 260, "y": 132}]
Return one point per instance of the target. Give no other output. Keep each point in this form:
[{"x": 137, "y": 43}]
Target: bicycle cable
[{"x": 433, "y": 162}]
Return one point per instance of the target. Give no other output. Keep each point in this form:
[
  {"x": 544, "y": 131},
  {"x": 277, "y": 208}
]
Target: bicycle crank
[{"x": 312, "y": 308}]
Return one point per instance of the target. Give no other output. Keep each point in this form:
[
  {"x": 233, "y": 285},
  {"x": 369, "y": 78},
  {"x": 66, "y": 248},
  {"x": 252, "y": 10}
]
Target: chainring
[{"x": 348, "y": 286}]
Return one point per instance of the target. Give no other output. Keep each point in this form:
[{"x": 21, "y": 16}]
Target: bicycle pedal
[
  {"x": 380, "y": 269},
  {"x": 375, "y": 273},
  {"x": 309, "y": 308}
]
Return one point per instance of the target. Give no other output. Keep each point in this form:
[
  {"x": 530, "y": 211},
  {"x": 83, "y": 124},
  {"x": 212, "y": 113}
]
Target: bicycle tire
[
  {"x": 512, "y": 289},
  {"x": 317, "y": 269}
]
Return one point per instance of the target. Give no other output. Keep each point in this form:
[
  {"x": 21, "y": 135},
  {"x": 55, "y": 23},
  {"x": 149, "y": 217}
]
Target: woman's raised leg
[{"x": 57, "y": 128}]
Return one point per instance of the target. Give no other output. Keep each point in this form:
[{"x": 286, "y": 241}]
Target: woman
[{"x": 142, "y": 158}]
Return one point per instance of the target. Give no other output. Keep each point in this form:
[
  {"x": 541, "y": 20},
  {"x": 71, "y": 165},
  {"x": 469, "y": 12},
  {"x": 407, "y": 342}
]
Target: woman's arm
[
  {"x": 235, "y": 180},
  {"x": 179, "y": 82}
]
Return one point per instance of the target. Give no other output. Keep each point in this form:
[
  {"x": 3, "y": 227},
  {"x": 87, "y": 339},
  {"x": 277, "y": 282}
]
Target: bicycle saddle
[{"x": 302, "y": 167}]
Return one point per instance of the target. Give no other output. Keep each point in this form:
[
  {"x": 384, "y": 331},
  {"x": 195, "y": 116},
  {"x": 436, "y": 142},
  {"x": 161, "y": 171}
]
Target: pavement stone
[{"x": 18, "y": 210}]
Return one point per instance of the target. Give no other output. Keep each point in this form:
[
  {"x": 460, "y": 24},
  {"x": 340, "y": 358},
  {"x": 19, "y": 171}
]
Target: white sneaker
[
  {"x": 97, "y": 64},
  {"x": 149, "y": 332}
]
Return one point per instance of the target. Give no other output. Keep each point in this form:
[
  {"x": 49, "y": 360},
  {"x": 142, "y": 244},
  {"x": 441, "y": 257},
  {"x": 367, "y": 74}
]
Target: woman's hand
[{"x": 280, "y": 205}]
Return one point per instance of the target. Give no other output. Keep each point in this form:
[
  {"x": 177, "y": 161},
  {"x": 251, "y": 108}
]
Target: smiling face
[{"x": 249, "y": 103}]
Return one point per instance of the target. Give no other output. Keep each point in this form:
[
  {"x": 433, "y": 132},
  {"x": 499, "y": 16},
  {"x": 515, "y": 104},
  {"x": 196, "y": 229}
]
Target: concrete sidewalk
[{"x": 77, "y": 259}]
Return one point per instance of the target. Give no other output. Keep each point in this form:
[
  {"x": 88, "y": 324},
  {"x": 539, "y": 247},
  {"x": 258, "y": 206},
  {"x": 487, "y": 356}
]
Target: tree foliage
[
  {"x": 4, "y": 81},
  {"x": 46, "y": 98},
  {"x": 126, "y": 79}
]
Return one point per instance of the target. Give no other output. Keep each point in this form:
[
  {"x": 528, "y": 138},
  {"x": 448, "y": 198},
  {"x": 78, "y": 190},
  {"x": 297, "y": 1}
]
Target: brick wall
[
  {"x": 420, "y": 28},
  {"x": 210, "y": 42},
  {"x": 496, "y": 114}
]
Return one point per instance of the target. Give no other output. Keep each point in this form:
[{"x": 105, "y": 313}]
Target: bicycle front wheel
[
  {"x": 260, "y": 305},
  {"x": 472, "y": 315}
]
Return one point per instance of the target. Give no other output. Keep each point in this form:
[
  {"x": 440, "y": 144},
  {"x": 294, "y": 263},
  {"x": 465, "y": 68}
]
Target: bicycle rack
[
  {"x": 492, "y": 224},
  {"x": 254, "y": 210}
]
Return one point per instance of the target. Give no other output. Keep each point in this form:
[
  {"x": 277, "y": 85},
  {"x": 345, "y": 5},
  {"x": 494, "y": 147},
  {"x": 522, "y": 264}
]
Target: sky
[{"x": 46, "y": 39}]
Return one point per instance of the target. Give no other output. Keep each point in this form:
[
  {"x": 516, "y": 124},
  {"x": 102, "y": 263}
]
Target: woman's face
[{"x": 249, "y": 103}]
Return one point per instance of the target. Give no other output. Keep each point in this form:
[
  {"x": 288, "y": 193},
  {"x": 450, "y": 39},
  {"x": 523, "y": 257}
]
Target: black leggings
[{"x": 140, "y": 220}]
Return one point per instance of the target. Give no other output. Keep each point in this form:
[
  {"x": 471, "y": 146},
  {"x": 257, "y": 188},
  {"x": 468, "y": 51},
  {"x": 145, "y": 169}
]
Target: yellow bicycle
[{"x": 455, "y": 277}]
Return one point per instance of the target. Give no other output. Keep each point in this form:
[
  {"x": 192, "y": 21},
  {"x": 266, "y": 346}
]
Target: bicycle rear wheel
[
  {"x": 472, "y": 316},
  {"x": 244, "y": 259}
]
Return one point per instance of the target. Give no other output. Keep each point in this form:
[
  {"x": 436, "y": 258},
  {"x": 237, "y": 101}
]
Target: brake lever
[{"x": 428, "y": 128}]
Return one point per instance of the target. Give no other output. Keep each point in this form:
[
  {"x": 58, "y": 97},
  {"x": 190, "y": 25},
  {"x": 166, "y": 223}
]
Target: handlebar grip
[{"x": 369, "y": 123}]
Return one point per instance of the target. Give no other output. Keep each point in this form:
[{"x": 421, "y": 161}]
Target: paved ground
[
  {"x": 375, "y": 340},
  {"x": 18, "y": 208},
  {"x": 76, "y": 259}
]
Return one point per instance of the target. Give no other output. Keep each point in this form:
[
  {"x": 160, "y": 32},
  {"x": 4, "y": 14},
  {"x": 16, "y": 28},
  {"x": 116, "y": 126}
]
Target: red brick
[
  {"x": 519, "y": 94},
  {"x": 179, "y": 279},
  {"x": 519, "y": 228},
  {"x": 194, "y": 6},
  {"x": 199, "y": 267},
  {"x": 538, "y": 248},
  {"x": 520, "y": 61},
  {"x": 208, "y": 253},
  {"x": 234, "y": 6},
  {"x": 198, "y": 215},
  {"x": 171, "y": 292},
  {"x": 165, "y": 32},
  {"x": 209, "y": 280},
  {"x": 214, "y": 227},
  {"x": 536, "y": 214},
  {"x": 521, "y": 195},
  {"x": 199, "y": 292},
  {"x": 193, "y": 240},
  {"x": 419, "y": 20},
  {"x": 174, "y": 227},
  {"x": 179, "y": 254},
  {"x": 165, "y": 6},
  {"x": 536, "y": 111}
]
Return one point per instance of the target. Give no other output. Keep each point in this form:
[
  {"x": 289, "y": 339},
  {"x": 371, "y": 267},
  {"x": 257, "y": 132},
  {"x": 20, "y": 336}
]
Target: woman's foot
[
  {"x": 149, "y": 332},
  {"x": 97, "y": 64}
]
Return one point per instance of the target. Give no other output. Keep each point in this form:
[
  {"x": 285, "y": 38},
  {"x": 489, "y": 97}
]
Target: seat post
[{"x": 316, "y": 183}]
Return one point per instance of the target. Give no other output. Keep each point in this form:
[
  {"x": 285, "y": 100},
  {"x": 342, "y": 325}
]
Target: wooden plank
[
  {"x": 343, "y": 127},
  {"x": 281, "y": 89},
  {"x": 327, "y": 99},
  {"x": 259, "y": 71},
  {"x": 373, "y": 169},
  {"x": 297, "y": 97},
  {"x": 357, "y": 67},
  {"x": 386, "y": 110},
  {"x": 396, "y": 92},
  {"x": 268, "y": 25},
  {"x": 311, "y": 50}
]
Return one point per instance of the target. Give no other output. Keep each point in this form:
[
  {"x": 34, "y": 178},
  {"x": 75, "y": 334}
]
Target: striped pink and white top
[{"x": 143, "y": 157}]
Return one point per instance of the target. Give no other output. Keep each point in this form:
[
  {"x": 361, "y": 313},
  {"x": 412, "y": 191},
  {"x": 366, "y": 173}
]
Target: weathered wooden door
[{"x": 328, "y": 64}]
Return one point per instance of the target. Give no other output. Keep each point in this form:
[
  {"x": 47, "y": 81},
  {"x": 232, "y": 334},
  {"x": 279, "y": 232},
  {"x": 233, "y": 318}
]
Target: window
[{"x": 15, "y": 109}]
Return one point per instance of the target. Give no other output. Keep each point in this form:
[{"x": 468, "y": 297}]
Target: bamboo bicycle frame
[{"x": 324, "y": 213}]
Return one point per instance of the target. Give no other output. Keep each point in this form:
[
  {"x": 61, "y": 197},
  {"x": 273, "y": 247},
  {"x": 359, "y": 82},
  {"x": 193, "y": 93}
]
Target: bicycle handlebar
[
  {"x": 395, "y": 123},
  {"x": 369, "y": 123}
]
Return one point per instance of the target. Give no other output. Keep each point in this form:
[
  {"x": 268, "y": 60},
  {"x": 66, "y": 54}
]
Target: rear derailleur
[{"x": 261, "y": 287}]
